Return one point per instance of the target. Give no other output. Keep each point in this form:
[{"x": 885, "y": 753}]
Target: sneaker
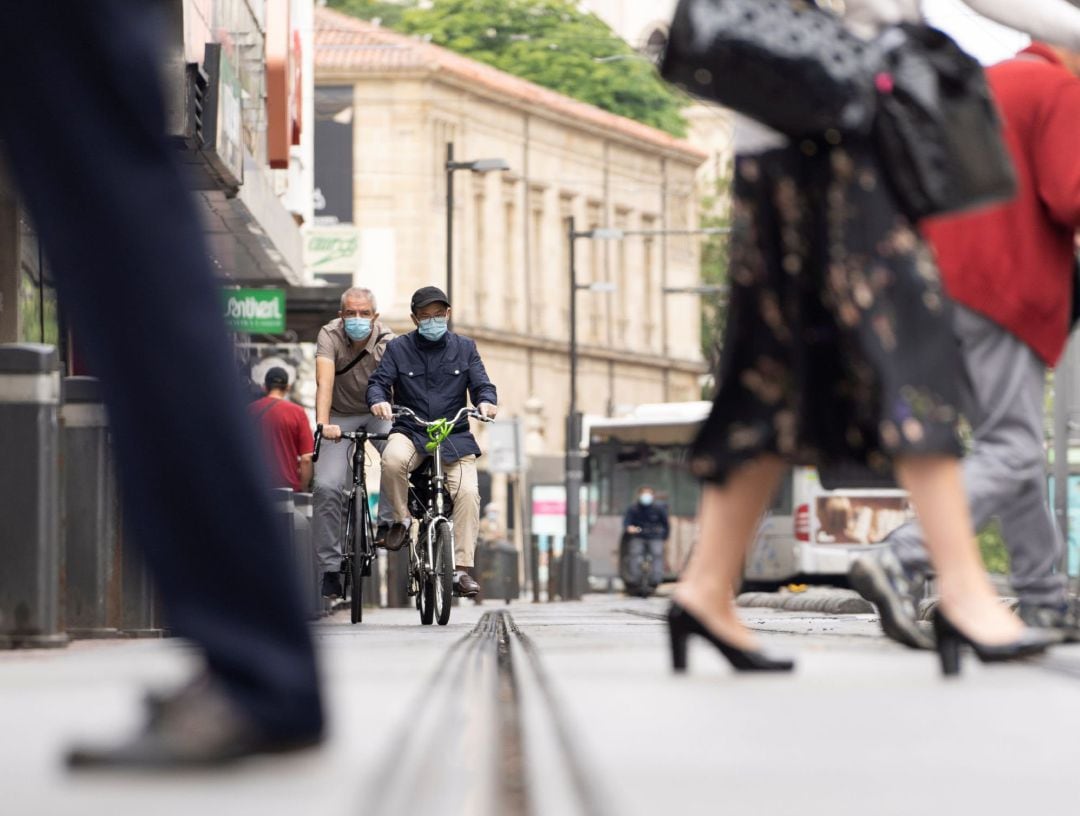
[
  {"x": 396, "y": 536},
  {"x": 331, "y": 585},
  {"x": 465, "y": 585},
  {"x": 881, "y": 579},
  {"x": 1058, "y": 617}
]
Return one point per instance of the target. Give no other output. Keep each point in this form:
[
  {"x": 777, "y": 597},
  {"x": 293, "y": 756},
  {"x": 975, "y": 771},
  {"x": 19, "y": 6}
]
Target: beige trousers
[{"x": 400, "y": 458}]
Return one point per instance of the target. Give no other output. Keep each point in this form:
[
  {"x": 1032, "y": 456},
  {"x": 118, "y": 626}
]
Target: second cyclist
[{"x": 433, "y": 371}]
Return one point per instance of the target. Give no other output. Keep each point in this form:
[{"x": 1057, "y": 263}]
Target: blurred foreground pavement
[{"x": 564, "y": 709}]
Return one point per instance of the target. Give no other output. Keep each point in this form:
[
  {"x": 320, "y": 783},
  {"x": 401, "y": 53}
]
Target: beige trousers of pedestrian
[{"x": 400, "y": 458}]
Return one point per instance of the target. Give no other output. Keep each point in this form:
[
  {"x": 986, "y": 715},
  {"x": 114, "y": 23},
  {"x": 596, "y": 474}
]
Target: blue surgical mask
[
  {"x": 358, "y": 328},
  {"x": 433, "y": 328},
  {"x": 646, "y": 499}
]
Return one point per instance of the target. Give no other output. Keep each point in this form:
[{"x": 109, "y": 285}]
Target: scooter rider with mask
[
  {"x": 647, "y": 527},
  {"x": 349, "y": 348},
  {"x": 433, "y": 371}
]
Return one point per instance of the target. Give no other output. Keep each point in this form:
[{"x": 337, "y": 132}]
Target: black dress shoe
[
  {"x": 682, "y": 624},
  {"x": 199, "y": 727},
  {"x": 950, "y": 639},
  {"x": 396, "y": 536},
  {"x": 331, "y": 585},
  {"x": 465, "y": 585}
]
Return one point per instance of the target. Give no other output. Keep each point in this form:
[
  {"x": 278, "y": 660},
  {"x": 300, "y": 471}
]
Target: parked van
[{"x": 814, "y": 530}]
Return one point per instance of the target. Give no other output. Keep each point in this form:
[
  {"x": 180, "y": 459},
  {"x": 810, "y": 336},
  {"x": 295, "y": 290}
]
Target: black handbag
[
  {"x": 786, "y": 63},
  {"x": 937, "y": 130}
]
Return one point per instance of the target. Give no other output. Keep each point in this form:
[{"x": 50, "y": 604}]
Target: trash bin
[
  {"x": 307, "y": 561},
  {"x": 92, "y": 600},
  {"x": 30, "y": 601},
  {"x": 497, "y": 570}
]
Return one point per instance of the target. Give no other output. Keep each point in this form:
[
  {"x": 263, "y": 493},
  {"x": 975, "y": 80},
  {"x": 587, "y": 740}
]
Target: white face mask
[{"x": 646, "y": 499}]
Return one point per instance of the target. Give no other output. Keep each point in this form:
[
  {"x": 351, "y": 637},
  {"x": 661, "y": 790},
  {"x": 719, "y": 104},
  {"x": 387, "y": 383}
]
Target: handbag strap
[{"x": 359, "y": 356}]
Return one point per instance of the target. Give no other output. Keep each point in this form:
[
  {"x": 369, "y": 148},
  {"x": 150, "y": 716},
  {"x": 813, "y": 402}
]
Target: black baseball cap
[
  {"x": 427, "y": 295},
  {"x": 276, "y": 377}
]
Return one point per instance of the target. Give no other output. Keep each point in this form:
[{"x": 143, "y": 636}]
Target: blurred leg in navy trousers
[{"x": 82, "y": 124}]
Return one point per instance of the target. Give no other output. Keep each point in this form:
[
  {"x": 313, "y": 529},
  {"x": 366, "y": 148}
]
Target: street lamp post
[
  {"x": 476, "y": 166},
  {"x": 574, "y": 468}
]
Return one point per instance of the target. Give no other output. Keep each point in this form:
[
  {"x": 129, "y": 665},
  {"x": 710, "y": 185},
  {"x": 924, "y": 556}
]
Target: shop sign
[
  {"x": 255, "y": 311},
  {"x": 332, "y": 249}
]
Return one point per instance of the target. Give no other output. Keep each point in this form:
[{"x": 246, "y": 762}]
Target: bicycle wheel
[
  {"x": 353, "y": 562},
  {"x": 443, "y": 578},
  {"x": 425, "y": 599}
]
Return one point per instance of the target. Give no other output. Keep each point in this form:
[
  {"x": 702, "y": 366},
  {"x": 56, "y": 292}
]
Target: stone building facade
[{"x": 511, "y": 261}]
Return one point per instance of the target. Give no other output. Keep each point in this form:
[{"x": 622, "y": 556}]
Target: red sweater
[{"x": 1014, "y": 263}]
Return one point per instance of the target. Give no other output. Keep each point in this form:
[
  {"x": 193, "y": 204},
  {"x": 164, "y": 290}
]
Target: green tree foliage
[
  {"x": 715, "y": 213},
  {"x": 549, "y": 42},
  {"x": 387, "y": 12},
  {"x": 992, "y": 549}
]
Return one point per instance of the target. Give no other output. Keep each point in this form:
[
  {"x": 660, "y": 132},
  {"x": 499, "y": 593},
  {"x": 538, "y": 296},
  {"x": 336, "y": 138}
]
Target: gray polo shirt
[{"x": 350, "y": 388}]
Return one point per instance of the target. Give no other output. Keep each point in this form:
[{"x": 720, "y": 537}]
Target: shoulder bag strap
[
  {"x": 266, "y": 409},
  {"x": 359, "y": 356}
]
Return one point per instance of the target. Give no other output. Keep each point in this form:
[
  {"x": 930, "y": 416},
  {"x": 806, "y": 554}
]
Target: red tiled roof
[{"x": 345, "y": 44}]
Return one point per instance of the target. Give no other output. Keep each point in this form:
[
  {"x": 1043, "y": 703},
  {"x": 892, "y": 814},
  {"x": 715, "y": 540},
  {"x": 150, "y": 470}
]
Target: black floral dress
[{"x": 838, "y": 348}]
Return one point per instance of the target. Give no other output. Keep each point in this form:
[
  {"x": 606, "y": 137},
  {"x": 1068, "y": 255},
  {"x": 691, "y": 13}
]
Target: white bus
[{"x": 814, "y": 528}]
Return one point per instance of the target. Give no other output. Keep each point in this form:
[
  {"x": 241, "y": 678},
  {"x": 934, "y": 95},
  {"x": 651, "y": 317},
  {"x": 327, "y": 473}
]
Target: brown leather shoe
[
  {"x": 465, "y": 585},
  {"x": 198, "y": 727},
  {"x": 396, "y": 536}
]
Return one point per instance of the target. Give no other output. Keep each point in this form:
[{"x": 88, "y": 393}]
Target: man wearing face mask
[
  {"x": 647, "y": 528},
  {"x": 433, "y": 372},
  {"x": 349, "y": 348}
]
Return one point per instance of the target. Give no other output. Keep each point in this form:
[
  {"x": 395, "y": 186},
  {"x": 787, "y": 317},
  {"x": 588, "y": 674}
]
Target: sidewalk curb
[{"x": 837, "y": 602}]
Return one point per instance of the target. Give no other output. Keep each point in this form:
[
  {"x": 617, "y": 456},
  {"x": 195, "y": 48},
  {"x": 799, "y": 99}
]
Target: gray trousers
[
  {"x": 332, "y": 481},
  {"x": 1005, "y": 473},
  {"x": 636, "y": 548}
]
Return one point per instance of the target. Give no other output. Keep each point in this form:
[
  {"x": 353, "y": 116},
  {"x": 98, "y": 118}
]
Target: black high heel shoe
[
  {"x": 950, "y": 639},
  {"x": 682, "y": 624}
]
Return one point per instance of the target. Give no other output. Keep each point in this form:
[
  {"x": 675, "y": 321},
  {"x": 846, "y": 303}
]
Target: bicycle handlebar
[
  {"x": 402, "y": 411},
  {"x": 352, "y": 436}
]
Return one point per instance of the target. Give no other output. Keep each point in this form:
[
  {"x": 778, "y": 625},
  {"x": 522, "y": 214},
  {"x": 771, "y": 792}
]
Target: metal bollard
[
  {"x": 90, "y": 534},
  {"x": 30, "y": 596},
  {"x": 307, "y": 561}
]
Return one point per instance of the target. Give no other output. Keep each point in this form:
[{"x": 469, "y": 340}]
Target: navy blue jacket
[
  {"x": 433, "y": 378},
  {"x": 652, "y": 519}
]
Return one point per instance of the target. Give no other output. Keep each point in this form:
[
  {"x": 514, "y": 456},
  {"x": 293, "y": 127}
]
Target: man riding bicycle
[
  {"x": 433, "y": 371},
  {"x": 348, "y": 350}
]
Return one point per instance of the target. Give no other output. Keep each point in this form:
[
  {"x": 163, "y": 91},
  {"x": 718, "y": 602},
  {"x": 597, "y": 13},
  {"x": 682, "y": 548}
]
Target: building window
[
  {"x": 653, "y": 299},
  {"x": 510, "y": 272},
  {"x": 540, "y": 267},
  {"x": 598, "y": 303},
  {"x": 478, "y": 284},
  {"x": 622, "y": 281}
]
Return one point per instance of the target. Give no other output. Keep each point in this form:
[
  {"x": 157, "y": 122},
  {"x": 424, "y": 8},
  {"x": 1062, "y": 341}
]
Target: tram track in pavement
[{"x": 484, "y": 729}]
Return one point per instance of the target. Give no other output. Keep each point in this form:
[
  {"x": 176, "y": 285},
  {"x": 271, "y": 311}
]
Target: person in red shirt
[
  {"x": 286, "y": 433},
  {"x": 1010, "y": 270}
]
